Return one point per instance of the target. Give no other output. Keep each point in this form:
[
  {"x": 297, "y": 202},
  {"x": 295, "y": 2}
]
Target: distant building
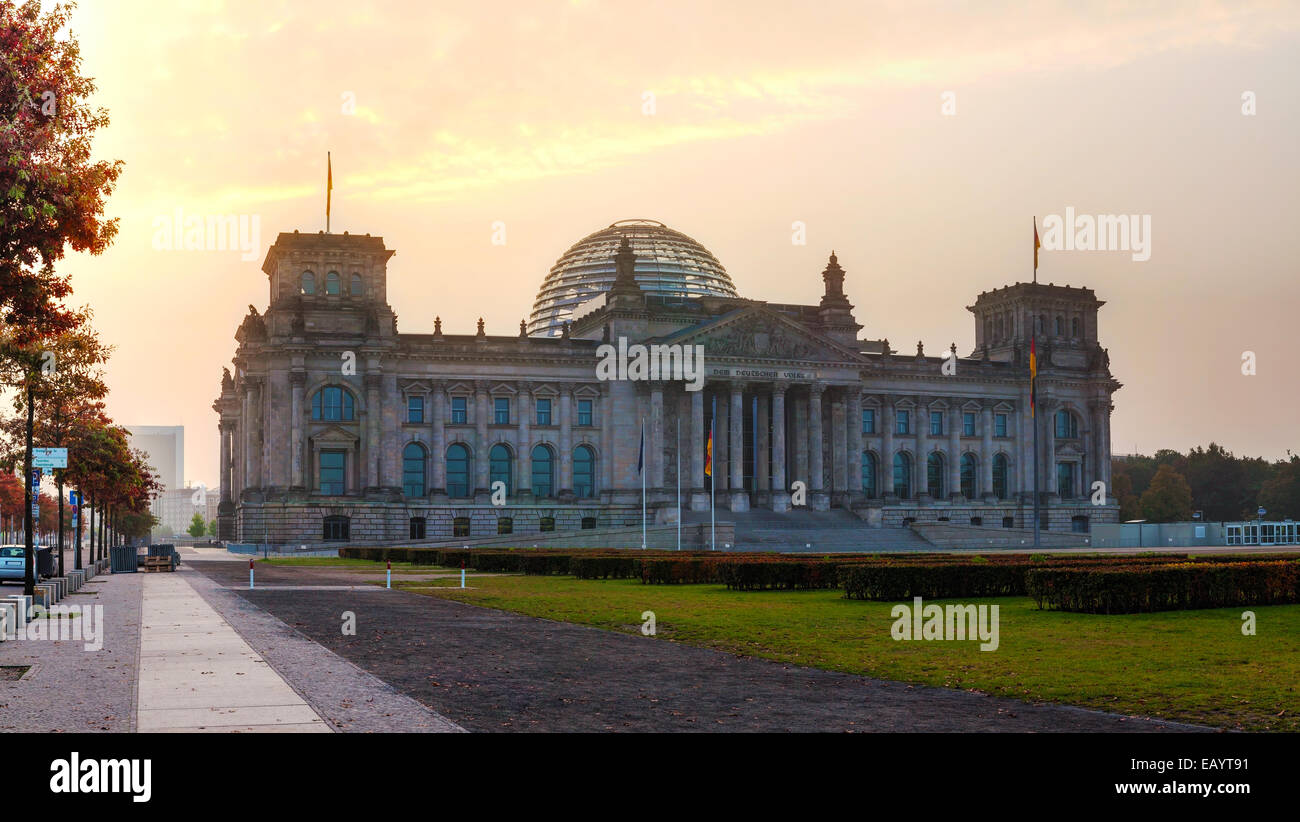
[
  {"x": 165, "y": 445},
  {"x": 175, "y": 509}
]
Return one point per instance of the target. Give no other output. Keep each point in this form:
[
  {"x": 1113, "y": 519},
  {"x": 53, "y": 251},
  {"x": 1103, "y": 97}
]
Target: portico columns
[
  {"x": 699, "y": 498},
  {"x": 655, "y": 445},
  {"x": 736, "y": 449},
  {"x": 780, "y": 486},
  {"x": 762, "y": 470},
  {"x": 818, "y": 499},
  {"x": 855, "y": 444},
  {"x": 839, "y": 448}
]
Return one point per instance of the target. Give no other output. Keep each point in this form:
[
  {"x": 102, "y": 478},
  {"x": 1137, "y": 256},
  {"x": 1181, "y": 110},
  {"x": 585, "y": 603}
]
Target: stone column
[
  {"x": 986, "y": 453},
  {"x": 224, "y": 429},
  {"x": 780, "y": 483},
  {"x": 482, "y": 461},
  {"x": 839, "y": 449},
  {"x": 855, "y": 443},
  {"x": 605, "y": 479},
  {"x": 1103, "y": 446},
  {"x": 371, "y": 449},
  {"x": 252, "y": 429},
  {"x": 297, "y": 444},
  {"x": 922, "y": 467},
  {"x": 801, "y": 473},
  {"x": 699, "y": 495},
  {"x": 721, "y": 432},
  {"x": 523, "y": 442},
  {"x": 886, "y": 466},
  {"x": 438, "y": 438},
  {"x": 1049, "y": 449},
  {"x": 566, "y": 443},
  {"x": 655, "y": 440},
  {"x": 954, "y": 450},
  {"x": 1025, "y": 444},
  {"x": 818, "y": 499},
  {"x": 736, "y": 476},
  {"x": 762, "y": 469}
]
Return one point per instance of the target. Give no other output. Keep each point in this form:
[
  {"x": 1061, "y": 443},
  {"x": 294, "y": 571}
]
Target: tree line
[
  {"x": 1170, "y": 486},
  {"x": 52, "y": 198}
]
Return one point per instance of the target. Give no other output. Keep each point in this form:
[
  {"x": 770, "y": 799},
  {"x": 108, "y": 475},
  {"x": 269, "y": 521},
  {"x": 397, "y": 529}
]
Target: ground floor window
[
  {"x": 505, "y": 525},
  {"x": 460, "y": 527},
  {"x": 1079, "y": 524},
  {"x": 548, "y": 523},
  {"x": 588, "y": 523},
  {"x": 337, "y": 528},
  {"x": 1008, "y": 522},
  {"x": 977, "y": 520},
  {"x": 418, "y": 528}
]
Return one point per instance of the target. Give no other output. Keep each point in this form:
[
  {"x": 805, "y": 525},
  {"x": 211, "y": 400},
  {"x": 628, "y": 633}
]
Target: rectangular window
[
  {"x": 999, "y": 425},
  {"x": 331, "y": 472},
  {"x": 584, "y": 412},
  {"x": 419, "y": 527},
  {"x": 543, "y": 411},
  {"x": 868, "y": 420},
  {"x": 968, "y": 424},
  {"x": 902, "y": 422},
  {"x": 415, "y": 409},
  {"x": 501, "y": 411},
  {"x": 936, "y": 423},
  {"x": 458, "y": 413}
]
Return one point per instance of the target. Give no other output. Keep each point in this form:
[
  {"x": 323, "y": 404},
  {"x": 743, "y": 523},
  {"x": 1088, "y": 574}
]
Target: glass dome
[{"x": 668, "y": 264}]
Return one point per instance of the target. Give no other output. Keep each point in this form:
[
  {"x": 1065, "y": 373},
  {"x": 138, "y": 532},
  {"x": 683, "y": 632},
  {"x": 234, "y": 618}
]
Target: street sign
[
  {"x": 74, "y": 498},
  {"x": 50, "y": 457},
  {"x": 1261, "y": 511}
]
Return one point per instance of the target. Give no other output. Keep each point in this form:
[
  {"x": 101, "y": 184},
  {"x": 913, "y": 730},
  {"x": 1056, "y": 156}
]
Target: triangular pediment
[
  {"x": 756, "y": 332},
  {"x": 336, "y": 435}
]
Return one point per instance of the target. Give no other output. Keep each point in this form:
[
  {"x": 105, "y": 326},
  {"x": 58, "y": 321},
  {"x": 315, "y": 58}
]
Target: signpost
[{"x": 50, "y": 457}]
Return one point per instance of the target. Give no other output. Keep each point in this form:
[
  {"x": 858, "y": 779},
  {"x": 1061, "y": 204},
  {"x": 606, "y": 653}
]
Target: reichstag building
[{"x": 335, "y": 426}]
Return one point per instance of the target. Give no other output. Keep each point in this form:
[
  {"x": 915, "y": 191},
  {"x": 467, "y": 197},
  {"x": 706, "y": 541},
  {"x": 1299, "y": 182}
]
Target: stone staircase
[{"x": 834, "y": 531}]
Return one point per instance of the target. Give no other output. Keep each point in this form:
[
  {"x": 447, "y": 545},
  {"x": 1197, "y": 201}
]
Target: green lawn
[{"x": 1194, "y": 666}]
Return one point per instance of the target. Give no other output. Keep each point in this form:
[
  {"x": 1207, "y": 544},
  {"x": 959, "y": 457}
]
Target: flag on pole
[
  {"x": 329, "y": 188},
  {"x": 1033, "y": 378},
  {"x": 708, "y": 453},
  {"x": 1037, "y": 245},
  {"x": 640, "y": 456}
]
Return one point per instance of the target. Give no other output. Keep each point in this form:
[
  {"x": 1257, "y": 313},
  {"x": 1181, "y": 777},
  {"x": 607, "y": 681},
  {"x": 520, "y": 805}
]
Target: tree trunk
[
  {"x": 81, "y": 512},
  {"x": 29, "y": 575},
  {"x": 60, "y": 539}
]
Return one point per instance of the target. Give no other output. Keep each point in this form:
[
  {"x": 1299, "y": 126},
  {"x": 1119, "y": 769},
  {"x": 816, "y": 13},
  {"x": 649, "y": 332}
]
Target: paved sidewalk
[{"x": 198, "y": 674}]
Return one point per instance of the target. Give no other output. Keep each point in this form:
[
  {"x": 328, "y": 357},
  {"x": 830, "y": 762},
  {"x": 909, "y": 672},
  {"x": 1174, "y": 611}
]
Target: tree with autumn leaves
[{"x": 52, "y": 196}]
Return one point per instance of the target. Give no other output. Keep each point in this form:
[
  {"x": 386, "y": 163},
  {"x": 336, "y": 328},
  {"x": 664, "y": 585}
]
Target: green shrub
[
  {"x": 1131, "y": 589},
  {"x": 605, "y": 567}
]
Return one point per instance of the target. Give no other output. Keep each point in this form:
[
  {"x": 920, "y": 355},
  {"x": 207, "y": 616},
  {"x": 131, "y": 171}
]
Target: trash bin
[
  {"x": 45, "y": 562},
  {"x": 122, "y": 559}
]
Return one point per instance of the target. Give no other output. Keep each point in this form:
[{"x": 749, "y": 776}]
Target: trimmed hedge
[
  {"x": 1137, "y": 589},
  {"x": 889, "y": 581},
  {"x": 784, "y": 574},
  {"x": 605, "y": 567}
]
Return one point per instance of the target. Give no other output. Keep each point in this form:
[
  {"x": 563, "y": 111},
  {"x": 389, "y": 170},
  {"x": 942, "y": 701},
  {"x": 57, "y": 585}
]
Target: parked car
[{"x": 13, "y": 563}]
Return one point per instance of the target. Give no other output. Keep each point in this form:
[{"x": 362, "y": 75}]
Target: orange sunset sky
[{"x": 531, "y": 113}]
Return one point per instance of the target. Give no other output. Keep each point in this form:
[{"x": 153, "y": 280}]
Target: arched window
[
  {"x": 332, "y": 284},
  {"x": 499, "y": 465},
  {"x": 903, "y": 475},
  {"x": 308, "y": 282},
  {"x": 1000, "y": 476},
  {"x": 968, "y": 487},
  {"x": 543, "y": 472},
  {"x": 869, "y": 474},
  {"x": 413, "y": 470},
  {"x": 356, "y": 285},
  {"x": 333, "y": 404},
  {"x": 458, "y": 472},
  {"x": 584, "y": 472},
  {"x": 1067, "y": 426},
  {"x": 934, "y": 475}
]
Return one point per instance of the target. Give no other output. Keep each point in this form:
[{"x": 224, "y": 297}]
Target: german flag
[
  {"x": 1033, "y": 376},
  {"x": 708, "y": 454},
  {"x": 1037, "y": 245}
]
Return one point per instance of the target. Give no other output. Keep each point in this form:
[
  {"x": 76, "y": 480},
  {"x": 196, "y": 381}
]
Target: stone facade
[{"x": 335, "y": 426}]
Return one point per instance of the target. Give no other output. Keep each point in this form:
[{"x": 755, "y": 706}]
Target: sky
[{"x": 918, "y": 141}]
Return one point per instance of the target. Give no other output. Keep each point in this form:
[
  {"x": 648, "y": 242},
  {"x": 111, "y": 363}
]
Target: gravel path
[
  {"x": 71, "y": 689},
  {"x": 491, "y": 670},
  {"x": 347, "y": 697}
]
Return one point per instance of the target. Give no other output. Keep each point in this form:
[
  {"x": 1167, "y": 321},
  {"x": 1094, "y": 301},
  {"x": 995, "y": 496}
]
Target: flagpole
[
  {"x": 329, "y": 188},
  {"x": 643, "y": 472},
  {"x": 1033, "y": 393},
  {"x": 679, "y": 483}
]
